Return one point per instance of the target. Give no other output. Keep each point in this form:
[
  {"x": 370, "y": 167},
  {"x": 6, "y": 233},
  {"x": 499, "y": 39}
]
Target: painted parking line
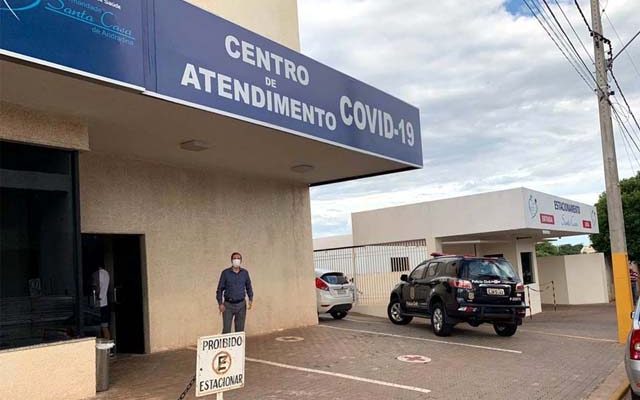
[
  {"x": 338, "y": 375},
  {"x": 590, "y": 338},
  {"x": 368, "y": 321},
  {"x": 474, "y": 346},
  {"x": 593, "y": 339}
]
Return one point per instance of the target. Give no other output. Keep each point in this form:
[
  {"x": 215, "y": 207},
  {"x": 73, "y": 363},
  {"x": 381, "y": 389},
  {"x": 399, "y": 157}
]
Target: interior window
[
  {"x": 432, "y": 270},
  {"x": 418, "y": 273},
  {"x": 452, "y": 269}
]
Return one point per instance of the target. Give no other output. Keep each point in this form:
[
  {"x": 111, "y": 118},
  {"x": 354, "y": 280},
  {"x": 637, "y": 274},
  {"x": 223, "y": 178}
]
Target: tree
[
  {"x": 630, "y": 190},
  {"x": 569, "y": 249},
  {"x": 545, "y": 249}
]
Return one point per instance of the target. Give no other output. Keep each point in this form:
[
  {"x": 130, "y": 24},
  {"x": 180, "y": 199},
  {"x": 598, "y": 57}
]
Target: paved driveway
[{"x": 557, "y": 355}]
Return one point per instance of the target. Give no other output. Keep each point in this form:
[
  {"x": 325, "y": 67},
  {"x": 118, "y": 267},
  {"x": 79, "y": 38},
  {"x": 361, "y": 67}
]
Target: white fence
[{"x": 375, "y": 269}]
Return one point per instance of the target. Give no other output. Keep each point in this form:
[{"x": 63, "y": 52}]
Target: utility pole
[{"x": 622, "y": 284}]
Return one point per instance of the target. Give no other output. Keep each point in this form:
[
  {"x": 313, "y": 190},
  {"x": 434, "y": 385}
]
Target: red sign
[
  {"x": 547, "y": 219},
  {"x": 586, "y": 224}
]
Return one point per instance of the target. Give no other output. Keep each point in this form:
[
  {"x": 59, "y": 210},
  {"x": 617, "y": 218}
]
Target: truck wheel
[
  {"x": 505, "y": 329},
  {"x": 439, "y": 321},
  {"x": 394, "y": 312},
  {"x": 338, "y": 314}
]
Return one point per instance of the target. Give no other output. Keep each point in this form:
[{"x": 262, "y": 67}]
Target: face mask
[{"x": 236, "y": 262}]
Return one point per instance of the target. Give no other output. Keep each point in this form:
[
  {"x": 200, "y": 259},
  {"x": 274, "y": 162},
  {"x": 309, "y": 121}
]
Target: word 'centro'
[{"x": 264, "y": 59}]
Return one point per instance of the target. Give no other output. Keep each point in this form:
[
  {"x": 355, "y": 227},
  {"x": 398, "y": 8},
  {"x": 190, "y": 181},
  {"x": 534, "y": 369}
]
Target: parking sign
[{"x": 220, "y": 363}]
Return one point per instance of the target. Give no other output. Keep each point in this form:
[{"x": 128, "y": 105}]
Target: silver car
[
  {"x": 632, "y": 355},
  {"x": 334, "y": 293}
]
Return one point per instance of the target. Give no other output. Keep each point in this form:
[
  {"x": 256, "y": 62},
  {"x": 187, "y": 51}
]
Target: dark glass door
[
  {"x": 127, "y": 293},
  {"x": 527, "y": 267},
  {"x": 122, "y": 257}
]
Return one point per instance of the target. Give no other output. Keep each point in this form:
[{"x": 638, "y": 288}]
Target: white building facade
[{"x": 505, "y": 223}]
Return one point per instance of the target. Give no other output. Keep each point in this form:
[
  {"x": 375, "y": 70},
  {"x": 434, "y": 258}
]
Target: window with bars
[{"x": 399, "y": 264}]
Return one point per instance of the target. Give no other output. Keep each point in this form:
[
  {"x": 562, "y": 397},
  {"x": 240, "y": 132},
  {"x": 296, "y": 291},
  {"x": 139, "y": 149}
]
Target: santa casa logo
[
  {"x": 533, "y": 206},
  {"x": 16, "y": 6}
]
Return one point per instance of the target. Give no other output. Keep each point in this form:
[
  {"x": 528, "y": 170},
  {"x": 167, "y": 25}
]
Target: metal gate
[{"x": 375, "y": 268}]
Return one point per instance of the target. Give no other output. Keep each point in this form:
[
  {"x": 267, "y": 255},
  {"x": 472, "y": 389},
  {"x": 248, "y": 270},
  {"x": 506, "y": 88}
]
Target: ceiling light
[
  {"x": 302, "y": 168},
  {"x": 194, "y": 145}
]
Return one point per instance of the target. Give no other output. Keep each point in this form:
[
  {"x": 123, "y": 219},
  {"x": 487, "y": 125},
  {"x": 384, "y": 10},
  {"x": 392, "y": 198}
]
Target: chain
[{"x": 186, "y": 390}]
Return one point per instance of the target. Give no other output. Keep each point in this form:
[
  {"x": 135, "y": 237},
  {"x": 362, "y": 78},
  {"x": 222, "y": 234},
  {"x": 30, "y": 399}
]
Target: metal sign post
[{"x": 220, "y": 364}]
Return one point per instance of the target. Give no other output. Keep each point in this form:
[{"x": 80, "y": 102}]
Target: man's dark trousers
[{"x": 237, "y": 312}]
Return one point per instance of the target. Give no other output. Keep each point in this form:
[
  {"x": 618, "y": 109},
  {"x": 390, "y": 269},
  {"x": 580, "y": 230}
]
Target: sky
[{"x": 500, "y": 107}]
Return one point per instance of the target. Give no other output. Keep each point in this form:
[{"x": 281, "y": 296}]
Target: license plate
[
  {"x": 495, "y": 292},
  {"x": 341, "y": 291}
]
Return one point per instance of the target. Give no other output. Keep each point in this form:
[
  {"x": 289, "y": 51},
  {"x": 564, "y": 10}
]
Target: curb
[{"x": 620, "y": 393}]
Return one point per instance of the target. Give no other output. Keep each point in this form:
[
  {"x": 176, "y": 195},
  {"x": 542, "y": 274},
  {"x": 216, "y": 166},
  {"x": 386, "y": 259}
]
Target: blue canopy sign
[
  {"x": 173, "y": 50},
  {"x": 205, "y": 61},
  {"x": 102, "y": 39}
]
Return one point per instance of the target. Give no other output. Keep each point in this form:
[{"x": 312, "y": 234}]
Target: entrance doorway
[
  {"x": 122, "y": 257},
  {"x": 526, "y": 259}
]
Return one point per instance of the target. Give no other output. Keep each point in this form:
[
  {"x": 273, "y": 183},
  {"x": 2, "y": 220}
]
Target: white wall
[
  {"x": 275, "y": 19},
  {"x": 56, "y": 371},
  {"x": 578, "y": 279},
  {"x": 332, "y": 242},
  {"x": 487, "y": 212},
  {"x": 459, "y": 248},
  {"x": 552, "y": 269},
  {"x": 586, "y": 279}
]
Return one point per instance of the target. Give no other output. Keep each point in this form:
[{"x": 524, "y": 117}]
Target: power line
[
  {"x": 629, "y": 130},
  {"x": 626, "y": 45},
  {"x": 623, "y": 130},
  {"x": 624, "y": 126},
  {"x": 626, "y": 150},
  {"x": 627, "y": 117},
  {"x": 624, "y": 98},
  {"x": 635, "y": 67},
  {"x": 583, "y": 17},
  {"x": 557, "y": 45},
  {"x": 574, "y": 32},
  {"x": 626, "y": 135},
  {"x": 566, "y": 42},
  {"x": 620, "y": 39},
  {"x": 569, "y": 40}
]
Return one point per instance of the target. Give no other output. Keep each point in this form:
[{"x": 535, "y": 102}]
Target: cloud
[{"x": 500, "y": 106}]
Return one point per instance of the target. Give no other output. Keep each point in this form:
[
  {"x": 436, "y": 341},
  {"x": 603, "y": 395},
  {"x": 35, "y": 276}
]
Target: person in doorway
[
  {"x": 633, "y": 274},
  {"x": 233, "y": 289},
  {"x": 101, "y": 282}
]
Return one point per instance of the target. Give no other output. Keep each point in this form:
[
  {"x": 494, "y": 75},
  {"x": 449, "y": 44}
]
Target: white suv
[{"x": 334, "y": 293}]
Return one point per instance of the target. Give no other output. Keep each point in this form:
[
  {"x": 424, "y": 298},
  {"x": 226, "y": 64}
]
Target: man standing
[
  {"x": 233, "y": 288},
  {"x": 101, "y": 282}
]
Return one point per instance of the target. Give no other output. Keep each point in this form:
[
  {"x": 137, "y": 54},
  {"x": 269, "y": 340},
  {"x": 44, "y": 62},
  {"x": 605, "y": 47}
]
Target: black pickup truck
[{"x": 453, "y": 289}]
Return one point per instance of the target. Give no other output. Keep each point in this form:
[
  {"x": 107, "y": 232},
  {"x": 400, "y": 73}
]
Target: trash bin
[{"x": 103, "y": 348}]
